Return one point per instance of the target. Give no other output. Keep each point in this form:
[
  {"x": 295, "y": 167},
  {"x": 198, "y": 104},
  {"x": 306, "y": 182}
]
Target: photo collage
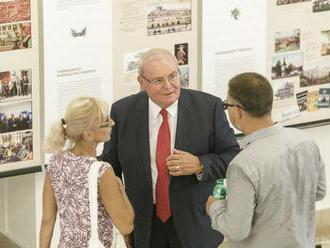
[
  {"x": 16, "y": 135},
  {"x": 300, "y": 69}
]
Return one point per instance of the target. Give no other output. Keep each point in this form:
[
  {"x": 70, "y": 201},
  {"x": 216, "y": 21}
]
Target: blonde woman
[{"x": 73, "y": 141}]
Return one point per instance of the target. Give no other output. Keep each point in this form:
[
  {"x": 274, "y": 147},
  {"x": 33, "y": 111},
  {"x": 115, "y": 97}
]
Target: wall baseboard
[{"x": 5, "y": 242}]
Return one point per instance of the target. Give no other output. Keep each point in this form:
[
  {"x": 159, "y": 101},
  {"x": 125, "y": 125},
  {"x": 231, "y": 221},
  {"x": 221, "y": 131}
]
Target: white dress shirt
[{"x": 155, "y": 120}]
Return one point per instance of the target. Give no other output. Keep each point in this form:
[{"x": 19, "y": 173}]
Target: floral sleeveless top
[{"x": 68, "y": 175}]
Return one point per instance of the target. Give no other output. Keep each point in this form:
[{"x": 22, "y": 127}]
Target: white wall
[{"x": 18, "y": 209}]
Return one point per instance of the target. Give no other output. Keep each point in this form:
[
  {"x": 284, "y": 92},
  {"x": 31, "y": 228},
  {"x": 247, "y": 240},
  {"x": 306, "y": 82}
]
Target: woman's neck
[{"x": 84, "y": 148}]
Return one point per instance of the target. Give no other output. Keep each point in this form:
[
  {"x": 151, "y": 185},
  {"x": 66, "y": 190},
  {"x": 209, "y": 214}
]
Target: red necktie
[{"x": 163, "y": 210}]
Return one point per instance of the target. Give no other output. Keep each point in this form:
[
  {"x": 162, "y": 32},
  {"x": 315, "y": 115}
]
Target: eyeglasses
[
  {"x": 226, "y": 105},
  {"x": 172, "y": 78}
]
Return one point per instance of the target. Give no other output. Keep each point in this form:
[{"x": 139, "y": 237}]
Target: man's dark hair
[{"x": 253, "y": 92}]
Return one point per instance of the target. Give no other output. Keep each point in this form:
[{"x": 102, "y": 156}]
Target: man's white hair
[{"x": 153, "y": 53}]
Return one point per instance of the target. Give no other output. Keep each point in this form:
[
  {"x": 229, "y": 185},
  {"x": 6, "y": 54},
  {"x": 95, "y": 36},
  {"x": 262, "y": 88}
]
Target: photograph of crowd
[
  {"x": 164, "y": 18},
  {"x": 287, "y": 65},
  {"x": 316, "y": 76},
  {"x": 16, "y": 147},
  {"x": 15, "y": 117},
  {"x": 15, "y": 11},
  {"x": 15, "y": 36},
  {"x": 287, "y": 41},
  {"x": 325, "y": 42},
  {"x": 15, "y": 85},
  {"x": 283, "y": 89},
  {"x": 321, "y": 5},
  {"x": 181, "y": 53},
  {"x": 283, "y": 2},
  {"x": 184, "y": 76}
]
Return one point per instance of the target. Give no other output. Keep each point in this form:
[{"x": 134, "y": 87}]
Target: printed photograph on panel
[
  {"x": 312, "y": 101},
  {"x": 315, "y": 76},
  {"x": 15, "y": 85},
  {"x": 181, "y": 53},
  {"x": 15, "y": 11},
  {"x": 321, "y": 5},
  {"x": 324, "y": 98},
  {"x": 169, "y": 17},
  {"x": 283, "y": 89},
  {"x": 184, "y": 76},
  {"x": 15, "y": 36},
  {"x": 322, "y": 228},
  {"x": 287, "y": 65},
  {"x": 287, "y": 41},
  {"x": 130, "y": 60},
  {"x": 15, "y": 147},
  {"x": 16, "y": 116},
  {"x": 283, "y": 2},
  {"x": 302, "y": 100},
  {"x": 325, "y": 43}
]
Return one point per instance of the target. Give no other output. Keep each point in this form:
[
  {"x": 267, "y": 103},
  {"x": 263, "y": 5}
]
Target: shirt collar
[
  {"x": 259, "y": 134},
  {"x": 154, "y": 109}
]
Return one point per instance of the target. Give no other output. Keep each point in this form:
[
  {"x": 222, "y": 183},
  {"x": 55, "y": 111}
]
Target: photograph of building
[
  {"x": 164, "y": 18},
  {"x": 315, "y": 76},
  {"x": 287, "y": 41}
]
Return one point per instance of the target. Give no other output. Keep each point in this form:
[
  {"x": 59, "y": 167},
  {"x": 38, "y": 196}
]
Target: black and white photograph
[
  {"x": 321, "y": 5},
  {"x": 315, "y": 76},
  {"x": 15, "y": 85},
  {"x": 184, "y": 76},
  {"x": 283, "y": 89},
  {"x": 15, "y": 147},
  {"x": 287, "y": 41},
  {"x": 15, "y": 117},
  {"x": 181, "y": 53},
  {"x": 287, "y": 65},
  {"x": 284, "y": 2},
  {"x": 169, "y": 17},
  {"x": 324, "y": 98},
  {"x": 302, "y": 100},
  {"x": 325, "y": 42}
]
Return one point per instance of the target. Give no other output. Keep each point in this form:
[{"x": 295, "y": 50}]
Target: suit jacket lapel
[
  {"x": 183, "y": 122},
  {"x": 142, "y": 135}
]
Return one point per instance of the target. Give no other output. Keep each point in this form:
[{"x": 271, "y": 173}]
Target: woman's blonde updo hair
[{"x": 81, "y": 114}]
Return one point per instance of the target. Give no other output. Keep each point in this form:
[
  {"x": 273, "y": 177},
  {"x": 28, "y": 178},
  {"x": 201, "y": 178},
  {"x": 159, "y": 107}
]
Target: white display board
[
  {"x": 77, "y": 53},
  {"x": 287, "y": 41},
  {"x": 143, "y": 24}
]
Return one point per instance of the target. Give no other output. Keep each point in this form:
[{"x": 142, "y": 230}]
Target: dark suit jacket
[{"x": 203, "y": 130}]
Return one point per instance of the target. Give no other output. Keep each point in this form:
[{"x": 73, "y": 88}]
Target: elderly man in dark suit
[{"x": 171, "y": 145}]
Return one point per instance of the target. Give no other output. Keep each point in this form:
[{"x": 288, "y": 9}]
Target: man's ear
[
  {"x": 240, "y": 113},
  {"x": 141, "y": 82}
]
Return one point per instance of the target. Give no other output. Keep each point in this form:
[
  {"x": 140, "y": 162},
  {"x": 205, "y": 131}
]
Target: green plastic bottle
[{"x": 219, "y": 191}]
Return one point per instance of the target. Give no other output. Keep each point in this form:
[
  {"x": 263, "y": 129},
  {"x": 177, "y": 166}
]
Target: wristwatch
[{"x": 200, "y": 174}]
